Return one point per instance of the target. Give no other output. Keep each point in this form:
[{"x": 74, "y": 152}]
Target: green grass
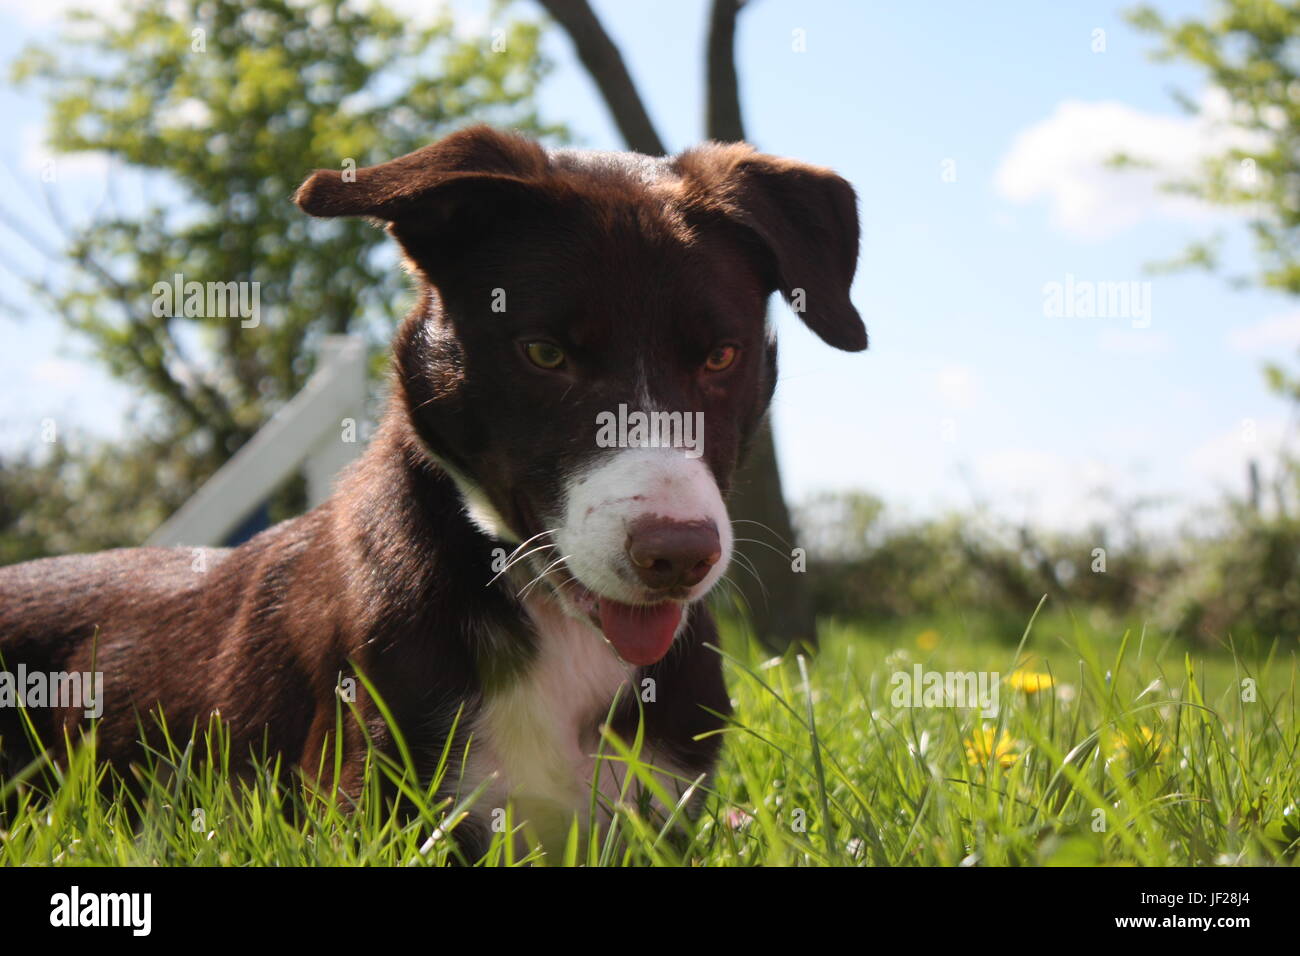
[{"x": 1140, "y": 753}]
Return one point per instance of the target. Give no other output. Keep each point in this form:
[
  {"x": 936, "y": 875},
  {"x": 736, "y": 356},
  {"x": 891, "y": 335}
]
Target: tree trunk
[
  {"x": 605, "y": 65},
  {"x": 780, "y": 608}
]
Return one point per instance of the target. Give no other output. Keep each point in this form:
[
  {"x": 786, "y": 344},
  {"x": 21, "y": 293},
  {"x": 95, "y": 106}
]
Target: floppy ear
[
  {"x": 805, "y": 216},
  {"x": 437, "y": 199}
]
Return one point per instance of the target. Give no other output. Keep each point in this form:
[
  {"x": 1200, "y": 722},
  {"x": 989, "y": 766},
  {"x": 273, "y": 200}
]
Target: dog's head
[{"x": 591, "y": 353}]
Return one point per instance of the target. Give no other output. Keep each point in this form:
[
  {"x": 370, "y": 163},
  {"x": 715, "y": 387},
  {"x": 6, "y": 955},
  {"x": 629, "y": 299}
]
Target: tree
[
  {"x": 777, "y": 598},
  {"x": 227, "y": 106},
  {"x": 84, "y": 494},
  {"x": 1250, "y": 51},
  {"x": 1244, "y": 581}
]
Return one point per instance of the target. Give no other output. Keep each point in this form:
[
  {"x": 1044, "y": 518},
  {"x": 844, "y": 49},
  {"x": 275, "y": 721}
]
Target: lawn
[{"x": 1109, "y": 747}]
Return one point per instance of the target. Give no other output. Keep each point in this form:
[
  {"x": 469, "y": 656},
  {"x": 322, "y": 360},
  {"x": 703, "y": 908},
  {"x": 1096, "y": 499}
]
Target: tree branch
[
  {"x": 606, "y": 67},
  {"x": 723, "y": 118},
  {"x": 757, "y": 495},
  {"x": 758, "y": 498},
  {"x": 217, "y": 414}
]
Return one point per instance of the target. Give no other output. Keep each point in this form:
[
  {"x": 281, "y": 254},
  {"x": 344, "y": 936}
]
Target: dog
[{"x": 506, "y": 569}]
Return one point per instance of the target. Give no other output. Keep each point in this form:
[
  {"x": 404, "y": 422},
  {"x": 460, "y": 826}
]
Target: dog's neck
[{"x": 402, "y": 521}]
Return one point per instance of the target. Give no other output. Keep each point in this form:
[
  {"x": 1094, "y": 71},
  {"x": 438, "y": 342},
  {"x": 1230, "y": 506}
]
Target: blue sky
[{"x": 969, "y": 391}]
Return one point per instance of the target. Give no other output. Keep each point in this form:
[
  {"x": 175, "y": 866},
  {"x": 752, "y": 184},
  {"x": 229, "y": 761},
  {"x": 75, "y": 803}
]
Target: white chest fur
[{"x": 536, "y": 738}]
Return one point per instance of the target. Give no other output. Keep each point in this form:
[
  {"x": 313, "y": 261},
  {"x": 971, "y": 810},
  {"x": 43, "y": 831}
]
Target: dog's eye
[
  {"x": 544, "y": 354},
  {"x": 720, "y": 358}
]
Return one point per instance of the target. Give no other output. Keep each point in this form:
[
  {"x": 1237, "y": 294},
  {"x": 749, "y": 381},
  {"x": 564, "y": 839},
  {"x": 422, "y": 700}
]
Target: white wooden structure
[{"x": 311, "y": 433}]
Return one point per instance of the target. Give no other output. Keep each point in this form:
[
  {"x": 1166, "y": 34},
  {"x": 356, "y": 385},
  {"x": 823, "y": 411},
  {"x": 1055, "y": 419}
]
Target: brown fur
[{"x": 627, "y": 259}]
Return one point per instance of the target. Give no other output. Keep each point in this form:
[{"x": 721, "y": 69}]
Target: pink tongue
[{"x": 641, "y": 635}]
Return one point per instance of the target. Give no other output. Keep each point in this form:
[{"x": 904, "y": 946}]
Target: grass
[{"x": 1137, "y": 753}]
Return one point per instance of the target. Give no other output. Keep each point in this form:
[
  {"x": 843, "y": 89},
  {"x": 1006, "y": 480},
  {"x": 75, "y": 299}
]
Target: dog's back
[{"x": 176, "y": 627}]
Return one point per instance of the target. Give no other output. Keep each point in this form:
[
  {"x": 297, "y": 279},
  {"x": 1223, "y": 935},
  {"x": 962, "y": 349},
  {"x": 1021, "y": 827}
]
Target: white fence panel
[{"x": 307, "y": 434}]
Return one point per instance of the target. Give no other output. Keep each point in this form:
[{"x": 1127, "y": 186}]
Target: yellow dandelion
[
  {"x": 1144, "y": 742},
  {"x": 985, "y": 743},
  {"x": 928, "y": 639},
  {"x": 1031, "y": 682}
]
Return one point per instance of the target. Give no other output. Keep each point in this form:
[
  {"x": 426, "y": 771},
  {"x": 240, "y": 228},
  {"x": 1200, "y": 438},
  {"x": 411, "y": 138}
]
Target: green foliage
[
  {"x": 81, "y": 493},
  {"x": 867, "y": 564},
  {"x": 1135, "y": 754},
  {"x": 1244, "y": 581},
  {"x": 86, "y": 496},
  {"x": 226, "y": 108},
  {"x": 1233, "y": 574},
  {"x": 1249, "y": 50}
]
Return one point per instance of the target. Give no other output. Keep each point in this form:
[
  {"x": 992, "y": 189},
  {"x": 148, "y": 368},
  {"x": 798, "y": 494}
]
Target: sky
[{"x": 975, "y": 136}]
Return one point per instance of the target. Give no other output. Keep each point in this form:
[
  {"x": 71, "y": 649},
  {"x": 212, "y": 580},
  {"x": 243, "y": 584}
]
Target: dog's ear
[
  {"x": 806, "y": 217},
  {"x": 438, "y": 199}
]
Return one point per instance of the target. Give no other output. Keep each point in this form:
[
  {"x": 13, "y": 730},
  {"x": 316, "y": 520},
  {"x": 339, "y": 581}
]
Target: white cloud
[
  {"x": 957, "y": 386},
  {"x": 1268, "y": 336},
  {"x": 41, "y": 161},
  {"x": 48, "y": 12},
  {"x": 1223, "y": 459},
  {"x": 471, "y": 20},
  {"x": 190, "y": 113},
  {"x": 1055, "y": 490},
  {"x": 39, "y": 12},
  {"x": 59, "y": 373},
  {"x": 1134, "y": 342},
  {"x": 52, "y": 11},
  {"x": 1064, "y": 159}
]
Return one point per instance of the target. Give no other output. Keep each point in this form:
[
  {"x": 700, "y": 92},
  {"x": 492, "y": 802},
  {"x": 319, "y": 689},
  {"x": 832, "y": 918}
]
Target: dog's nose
[{"x": 668, "y": 554}]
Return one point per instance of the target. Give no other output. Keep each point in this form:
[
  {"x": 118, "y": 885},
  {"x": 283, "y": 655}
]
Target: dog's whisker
[
  {"x": 558, "y": 561},
  {"x": 767, "y": 528},
  {"x": 514, "y": 557},
  {"x": 748, "y": 565},
  {"x": 736, "y": 590},
  {"x": 541, "y": 534},
  {"x": 570, "y": 580},
  {"x": 769, "y": 547},
  {"x": 522, "y": 557},
  {"x": 508, "y": 567},
  {"x": 524, "y": 544},
  {"x": 511, "y": 562}
]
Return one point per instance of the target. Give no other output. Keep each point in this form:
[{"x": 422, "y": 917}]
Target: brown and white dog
[{"x": 558, "y": 288}]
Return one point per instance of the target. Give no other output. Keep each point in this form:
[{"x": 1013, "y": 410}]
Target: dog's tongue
[{"x": 641, "y": 635}]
